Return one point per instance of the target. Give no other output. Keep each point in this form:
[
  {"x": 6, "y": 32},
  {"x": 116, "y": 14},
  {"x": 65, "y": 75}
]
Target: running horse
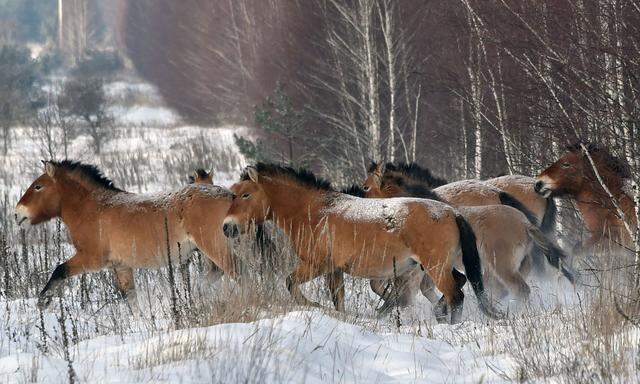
[
  {"x": 573, "y": 176},
  {"x": 506, "y": 234},
  {"x": 373, "y": 238},
  {"x": 111, "y": 228}
]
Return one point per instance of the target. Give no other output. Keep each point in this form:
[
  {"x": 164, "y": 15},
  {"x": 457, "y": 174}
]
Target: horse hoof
[
  {"x": 442, "y": 319},
  {"x": 44, "y": 302}
]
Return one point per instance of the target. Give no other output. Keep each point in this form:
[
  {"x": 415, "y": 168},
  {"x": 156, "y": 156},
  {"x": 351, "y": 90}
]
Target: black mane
[
  {"x": 302, "y": 175},
  {"x": 416, "y": 172},
  {"x": 354, "y": 190},
  {"x": 617, "y": 165},
  {"x": 202, "y": 173},
  {"x": 89, "y": 171}
]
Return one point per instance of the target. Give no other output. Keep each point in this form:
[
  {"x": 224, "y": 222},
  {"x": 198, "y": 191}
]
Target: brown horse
[
  {"x": 263, "y": 240},
  {"x": 573, "y": 176},
  {"x": 412, "y": 180},
  {"x": 505, "y": 235},
  {"x": 111, "y": 228},
  {"x": 372, "y": 238}
]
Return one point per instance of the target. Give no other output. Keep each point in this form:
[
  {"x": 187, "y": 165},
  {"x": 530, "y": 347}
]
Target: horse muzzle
[
  {"x": 230, "y": 229},
  {"x": 542, "y": 189},
  {"x": 22, "y": 216}
]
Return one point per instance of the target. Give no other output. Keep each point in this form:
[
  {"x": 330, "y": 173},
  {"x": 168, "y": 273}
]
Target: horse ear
[
  {"x": 49, "y": 168},
  {"x": 210, "y": 173},
  {"x": 253, "y": 174}
]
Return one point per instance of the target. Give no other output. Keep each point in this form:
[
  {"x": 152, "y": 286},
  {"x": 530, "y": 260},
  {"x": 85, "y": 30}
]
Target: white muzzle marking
[
  {"x": 548, "y": 185},
  {"x": 23, "y": 216}
]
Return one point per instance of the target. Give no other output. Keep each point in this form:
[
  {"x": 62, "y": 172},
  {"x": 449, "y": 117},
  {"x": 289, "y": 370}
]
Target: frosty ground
[{"x": 253, "y": 333}]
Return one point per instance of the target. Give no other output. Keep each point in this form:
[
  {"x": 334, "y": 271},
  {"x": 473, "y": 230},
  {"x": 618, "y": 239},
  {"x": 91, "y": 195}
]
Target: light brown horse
[
  {"x": 518, "y": 190},
  {"x": 573, "y": 176},
  {"x": 111, "y": 228},
  {"x": 263, "y": 240},
  {"x": 412, "y": 180},
  {"x": 371, "y": 238},
  {"x": 505, "y": 235}
]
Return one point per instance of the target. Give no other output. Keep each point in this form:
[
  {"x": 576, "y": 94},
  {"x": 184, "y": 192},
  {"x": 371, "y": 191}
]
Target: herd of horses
[{"x": 402, "y": 228}]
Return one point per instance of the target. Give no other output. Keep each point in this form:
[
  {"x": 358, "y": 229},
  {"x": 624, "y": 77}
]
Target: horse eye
[
  {"x": 246, "y": 195},
  {"x": 37, "y": 187},
  {"x": 566, "y": 165},
  {"x": 366, "y": 188}
]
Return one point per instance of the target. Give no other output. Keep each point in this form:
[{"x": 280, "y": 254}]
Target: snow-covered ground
[{"x": 562, "y": 335}]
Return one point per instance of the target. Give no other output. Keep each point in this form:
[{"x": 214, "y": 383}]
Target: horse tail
[
  {"x": 472, "y": 267},
  {"x": 548, "y": 224},
  {"x": 508, "y": 199},
  {"x": 554, "y": 254}
]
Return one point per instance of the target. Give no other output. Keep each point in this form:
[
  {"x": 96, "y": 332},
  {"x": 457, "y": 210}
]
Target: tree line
[{"x": 470, "y": 88}]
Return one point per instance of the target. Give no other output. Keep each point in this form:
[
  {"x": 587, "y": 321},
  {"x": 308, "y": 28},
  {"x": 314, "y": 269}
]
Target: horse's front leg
[
  {"x": 80, "y": 262},
  {"x": 305, "y": 272},
  {"x": 126, "y": 286},
  {"x": 335, "y": 281}
]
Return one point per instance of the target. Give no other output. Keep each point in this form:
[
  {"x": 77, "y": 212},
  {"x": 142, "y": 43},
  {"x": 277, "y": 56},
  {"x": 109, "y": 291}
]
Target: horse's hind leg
[
  {"x": 447, "y": 283},
  {"x": 380, "y": 287},
  {"x": 79, "y": 263},
  {"x": 126, "y": 286},
  {"x": 439, "y": 304},
  {"x": 335, "y": 281},
  {"x": 428, "y": 289},
  {"x": 516, "y": 284}
]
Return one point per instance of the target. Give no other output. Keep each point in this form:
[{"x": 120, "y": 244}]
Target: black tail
[
  {"x": 508, "y": 199},
  {"x": 549, "y": 219},
  {"x": 472, "y": 267},
  {"x": 554, "y": 254}
]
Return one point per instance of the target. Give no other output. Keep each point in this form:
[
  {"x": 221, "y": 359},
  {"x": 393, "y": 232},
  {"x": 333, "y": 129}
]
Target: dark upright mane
[
  {"x": 617, "y": 165},
  {"x": 354, "y": 190},
  {"x": 416, "y": 172},
  {"x": 301, "y": 176},
  {"x": 202, "y": 173},
  {"x": 88, "y": 171}
]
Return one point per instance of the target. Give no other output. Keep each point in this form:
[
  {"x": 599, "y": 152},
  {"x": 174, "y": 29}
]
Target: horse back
[
  {"x": 469, "y": 193},
  {"x": 521, "y": 187}
]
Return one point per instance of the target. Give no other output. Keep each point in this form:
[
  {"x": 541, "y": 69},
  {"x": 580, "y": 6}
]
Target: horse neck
[
  {"x": 77, "y": 204},
  {"x": 593, "y": 191},
  {"x": 595, "y": 204},
  {"x": 294, "y": 208}
]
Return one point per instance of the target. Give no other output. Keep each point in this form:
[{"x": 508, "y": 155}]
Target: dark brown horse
[
  {"x": 111, "y": 228},
  {"x": 573, "y": 176},
  {"x": 371, "y": 238}
]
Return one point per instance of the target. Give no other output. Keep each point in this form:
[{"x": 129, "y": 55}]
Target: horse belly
[
  {"x": 379, "y": 264},
  {"x": 141, "y": 242}
]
